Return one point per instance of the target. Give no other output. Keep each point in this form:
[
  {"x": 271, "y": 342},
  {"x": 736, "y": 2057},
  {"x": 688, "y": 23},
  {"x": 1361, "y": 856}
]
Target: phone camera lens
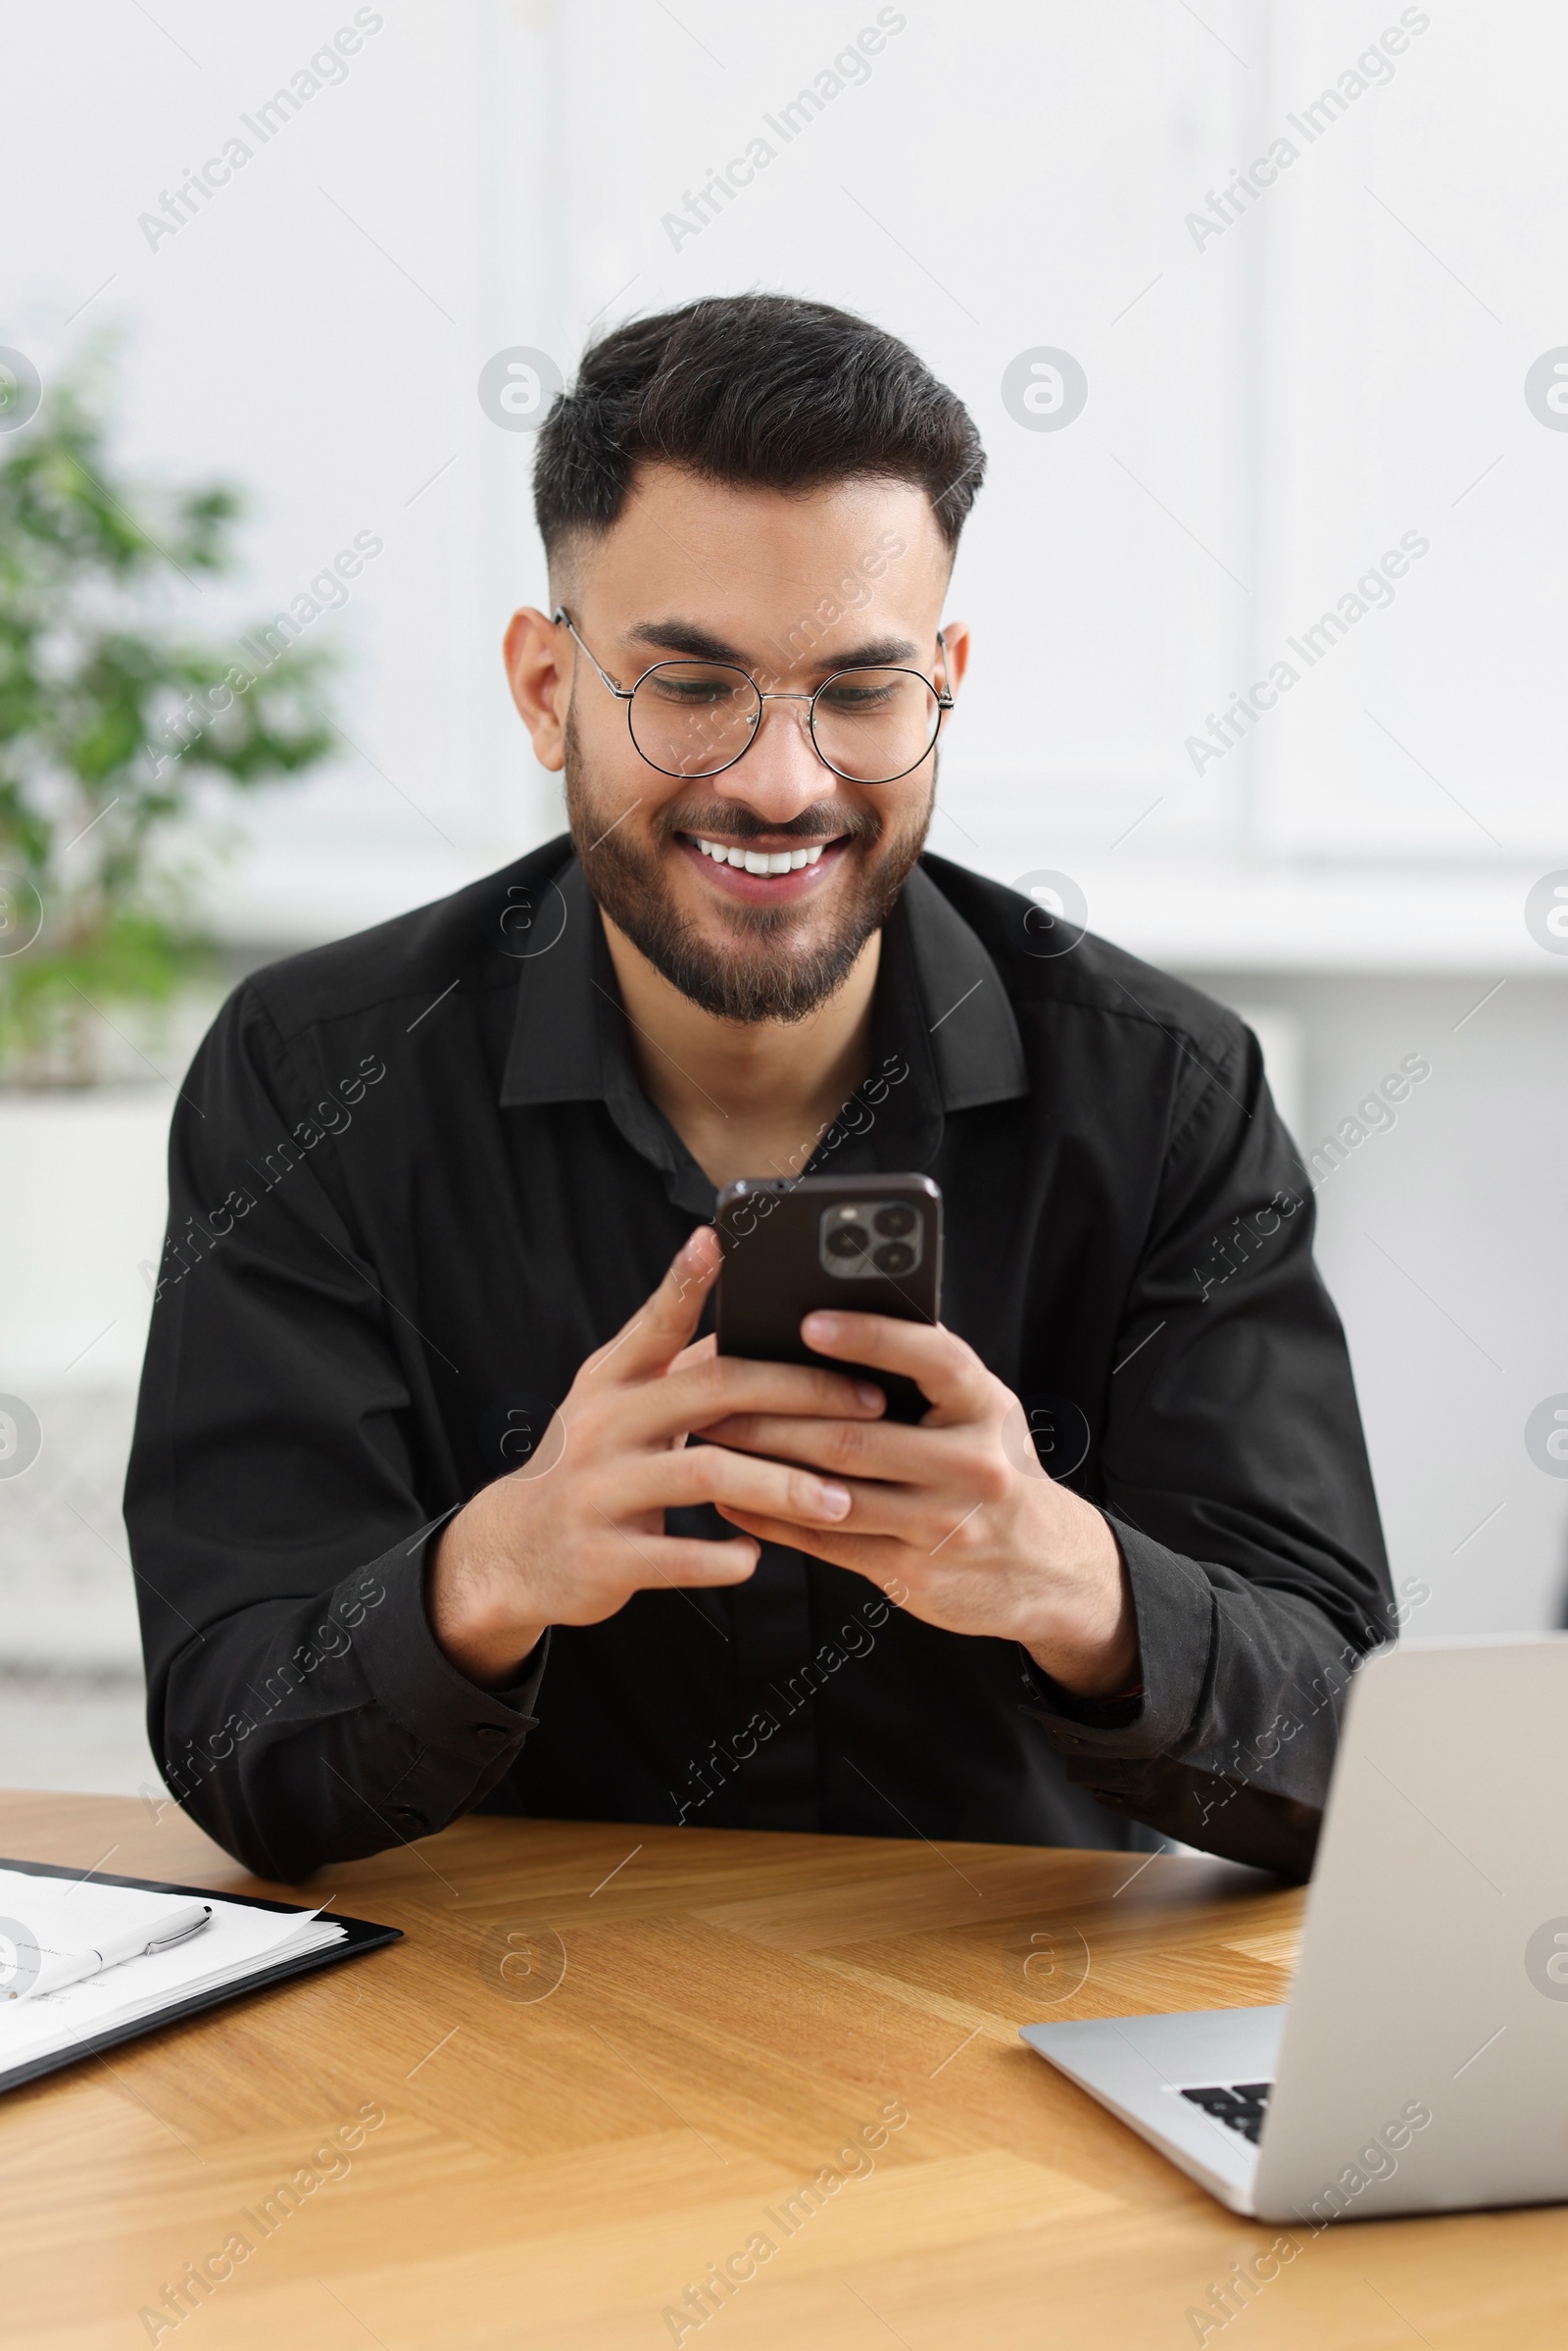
[
  {"x": 895, "y": 1219},
  {"x": 893, "y": 1256},
  {"x": 848, "y": 1240}
]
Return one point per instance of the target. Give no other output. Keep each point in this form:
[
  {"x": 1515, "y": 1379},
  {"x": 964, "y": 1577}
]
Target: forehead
[{"x": 756, "y": 563}]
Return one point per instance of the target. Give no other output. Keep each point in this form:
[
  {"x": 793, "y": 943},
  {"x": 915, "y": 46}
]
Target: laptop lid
[{"x": 1426, "y": 2046}]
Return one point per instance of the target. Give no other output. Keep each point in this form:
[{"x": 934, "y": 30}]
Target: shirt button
[
  {"x": 405, "y": 1817},
  {"x": 490, "y": 1734}
]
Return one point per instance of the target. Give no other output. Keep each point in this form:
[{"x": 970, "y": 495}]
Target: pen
[{"x": 74, "y": 1967}]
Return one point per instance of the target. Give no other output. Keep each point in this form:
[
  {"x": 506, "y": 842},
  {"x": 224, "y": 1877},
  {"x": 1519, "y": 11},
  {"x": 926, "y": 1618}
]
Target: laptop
[{"x": 1420, "y": 2063}]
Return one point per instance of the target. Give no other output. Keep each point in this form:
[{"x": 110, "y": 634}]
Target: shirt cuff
[
  {"x": 417, "y": 1684},
  {"x": 1173, "y": 1606}
]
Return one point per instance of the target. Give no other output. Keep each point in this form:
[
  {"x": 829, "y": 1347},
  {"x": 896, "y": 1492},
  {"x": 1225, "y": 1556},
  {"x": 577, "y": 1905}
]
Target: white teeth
[{"x": 762, "y": 860}]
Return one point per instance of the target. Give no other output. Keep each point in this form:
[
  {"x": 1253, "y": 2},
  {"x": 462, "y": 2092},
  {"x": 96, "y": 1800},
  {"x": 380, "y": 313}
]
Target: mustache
[{"x": 818, "y": 823}]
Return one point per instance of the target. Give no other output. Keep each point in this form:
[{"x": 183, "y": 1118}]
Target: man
[{"x": 440, "y": 1495}]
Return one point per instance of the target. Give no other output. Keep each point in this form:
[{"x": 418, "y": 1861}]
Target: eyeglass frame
[{"x": 944, "y": 702}]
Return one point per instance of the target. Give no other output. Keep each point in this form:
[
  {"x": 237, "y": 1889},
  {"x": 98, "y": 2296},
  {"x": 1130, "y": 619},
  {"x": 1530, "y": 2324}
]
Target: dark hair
[{"x": 763, "y": 389}]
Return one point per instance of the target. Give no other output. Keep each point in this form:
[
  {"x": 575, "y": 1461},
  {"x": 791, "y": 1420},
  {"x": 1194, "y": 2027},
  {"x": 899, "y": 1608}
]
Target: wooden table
[{"x": 610, "y": 2058}]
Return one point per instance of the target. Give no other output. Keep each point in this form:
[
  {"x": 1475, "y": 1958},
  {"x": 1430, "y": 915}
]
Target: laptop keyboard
[{"x": 1240, "y": 2105}]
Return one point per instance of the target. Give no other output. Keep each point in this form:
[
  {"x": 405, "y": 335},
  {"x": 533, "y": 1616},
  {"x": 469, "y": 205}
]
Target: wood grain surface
[{"x": 608, "y": 2059}]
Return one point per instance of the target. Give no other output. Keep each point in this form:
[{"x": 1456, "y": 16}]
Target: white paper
[{"x": 72, "y": 1915}]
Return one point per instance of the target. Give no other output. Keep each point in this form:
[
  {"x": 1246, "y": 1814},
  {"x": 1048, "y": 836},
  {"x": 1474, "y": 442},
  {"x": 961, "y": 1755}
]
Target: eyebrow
[{"x": 700, "y": 645}]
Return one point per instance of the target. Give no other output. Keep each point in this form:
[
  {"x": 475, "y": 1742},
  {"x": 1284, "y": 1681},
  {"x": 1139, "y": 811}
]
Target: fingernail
[
  {"x": 835, "y": 1500},
  {"x": 821, "y": 1326},
  {"x": 870, "y": 1397}
]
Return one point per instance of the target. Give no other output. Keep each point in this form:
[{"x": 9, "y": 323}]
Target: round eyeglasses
[{"x": 696, "y": 718}]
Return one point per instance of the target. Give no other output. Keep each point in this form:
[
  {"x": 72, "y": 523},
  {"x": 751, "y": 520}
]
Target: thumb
[{"x": 663, "y": 1326}]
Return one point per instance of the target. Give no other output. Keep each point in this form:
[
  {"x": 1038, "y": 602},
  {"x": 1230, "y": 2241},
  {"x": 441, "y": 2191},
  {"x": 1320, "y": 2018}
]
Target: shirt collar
[{"x": 941, "y": 1008}]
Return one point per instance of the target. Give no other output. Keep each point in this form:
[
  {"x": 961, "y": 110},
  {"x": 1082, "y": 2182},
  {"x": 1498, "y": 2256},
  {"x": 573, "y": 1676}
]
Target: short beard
[{"x": 747, "y": 977}]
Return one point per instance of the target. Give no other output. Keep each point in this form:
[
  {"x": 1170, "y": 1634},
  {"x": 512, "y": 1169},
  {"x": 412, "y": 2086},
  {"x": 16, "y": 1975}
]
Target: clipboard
[{"x": 360, "y": 1936}]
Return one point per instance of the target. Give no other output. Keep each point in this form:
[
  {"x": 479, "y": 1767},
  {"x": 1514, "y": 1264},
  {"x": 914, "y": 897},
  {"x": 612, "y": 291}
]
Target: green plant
[{"x": 114, "y": 718}]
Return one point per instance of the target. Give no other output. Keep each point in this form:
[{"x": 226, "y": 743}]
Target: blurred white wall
[
  {"x": 1275, "y": 400},
  {"x": 1270, "y": 407},
  {"x": 1443, "y": 1240}
]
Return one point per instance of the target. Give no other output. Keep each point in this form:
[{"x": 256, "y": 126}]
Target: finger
[
  {"x": 944, "y": 1367},
  {"x": 908, "y": 1514},
  {"x": 706, "y": 1473},
  {"x": 887, "y": 1449},
  {"x": 871, "y": 1555},
  {"x": 664, "y": 1324},
  {"x": 685, "y": 1561},
  {"x": 720, "y": 1385}
]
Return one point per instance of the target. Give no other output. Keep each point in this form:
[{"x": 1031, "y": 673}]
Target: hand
[
  {"x": 568, "y": 1538},
  {"x": 956, "y": 1509}
]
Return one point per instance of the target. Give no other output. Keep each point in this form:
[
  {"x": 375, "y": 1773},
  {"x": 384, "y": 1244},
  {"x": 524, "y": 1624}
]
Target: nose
[{"x": 780, "y": 774}]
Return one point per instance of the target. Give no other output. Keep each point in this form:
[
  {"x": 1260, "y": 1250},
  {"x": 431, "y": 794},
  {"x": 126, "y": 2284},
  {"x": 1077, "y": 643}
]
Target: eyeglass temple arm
[
  {"x": 945, "y": 696},
  {"x": 563, "y": 618}
]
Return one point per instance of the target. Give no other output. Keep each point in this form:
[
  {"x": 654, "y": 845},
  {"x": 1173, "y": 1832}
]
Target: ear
[
  {"x": 956, "y": 653},
  {"x": 539, "y": 658}
]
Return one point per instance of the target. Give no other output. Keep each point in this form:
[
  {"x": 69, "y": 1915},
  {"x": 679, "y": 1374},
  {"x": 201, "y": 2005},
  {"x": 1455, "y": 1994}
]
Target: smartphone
[{"x": 795, "y": 1245}]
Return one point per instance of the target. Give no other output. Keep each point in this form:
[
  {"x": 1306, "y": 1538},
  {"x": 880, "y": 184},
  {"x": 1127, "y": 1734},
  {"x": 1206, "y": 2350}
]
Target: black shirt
[{"x": 414, "y": 1181}]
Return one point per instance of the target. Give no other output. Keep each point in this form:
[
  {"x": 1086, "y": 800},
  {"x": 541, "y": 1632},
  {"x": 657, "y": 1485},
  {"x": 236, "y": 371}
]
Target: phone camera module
[{"x": 858, "y": 1240}]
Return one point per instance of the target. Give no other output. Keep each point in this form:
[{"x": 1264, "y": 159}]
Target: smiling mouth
[{"x": 757, "y": 860}]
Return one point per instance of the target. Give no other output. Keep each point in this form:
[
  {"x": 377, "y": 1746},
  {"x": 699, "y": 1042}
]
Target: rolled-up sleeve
[
  {"x": 280, "y": 1520},
  {"x": 1234, "y": 1474}
]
